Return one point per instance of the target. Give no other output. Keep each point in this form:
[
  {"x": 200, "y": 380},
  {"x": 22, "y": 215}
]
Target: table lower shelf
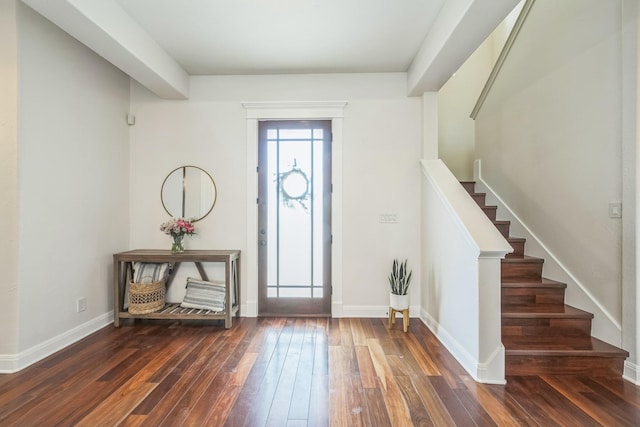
[{"x": 174, "y": 311}]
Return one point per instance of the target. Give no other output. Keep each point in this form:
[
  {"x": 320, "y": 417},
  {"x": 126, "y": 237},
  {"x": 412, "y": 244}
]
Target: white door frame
[{"x": 321, "y": 110}]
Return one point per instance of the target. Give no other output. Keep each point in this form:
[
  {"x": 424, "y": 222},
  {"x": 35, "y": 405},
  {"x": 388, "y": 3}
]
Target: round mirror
[{"x": 188, "y": 192}]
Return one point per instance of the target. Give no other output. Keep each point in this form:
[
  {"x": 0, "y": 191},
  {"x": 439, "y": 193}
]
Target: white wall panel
[{"x": 73, "y": 181}]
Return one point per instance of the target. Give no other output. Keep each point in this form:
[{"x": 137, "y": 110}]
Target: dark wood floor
[{"x": 291, "y": 372}]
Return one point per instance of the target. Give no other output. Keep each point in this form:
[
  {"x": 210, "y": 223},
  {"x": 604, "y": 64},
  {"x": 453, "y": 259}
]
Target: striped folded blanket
[
  {"x": 147, "y": 272},
  {"x": 205, "y": 295}
]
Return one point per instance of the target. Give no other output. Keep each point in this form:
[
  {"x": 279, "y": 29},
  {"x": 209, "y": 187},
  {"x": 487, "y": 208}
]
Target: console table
[{"x": 122, "y": 273}]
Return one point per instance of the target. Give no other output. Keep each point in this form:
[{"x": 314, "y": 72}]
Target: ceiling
[
  {"x": 212, "y": 37},
  {"x": 161, "y": 43}
]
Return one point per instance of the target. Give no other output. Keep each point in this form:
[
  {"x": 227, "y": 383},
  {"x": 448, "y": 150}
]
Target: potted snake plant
[{"x": 399, "y": 279}]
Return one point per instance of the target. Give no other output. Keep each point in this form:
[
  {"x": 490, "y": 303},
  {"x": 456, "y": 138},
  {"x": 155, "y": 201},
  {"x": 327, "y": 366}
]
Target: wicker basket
[{"x": 146, "y": 297}]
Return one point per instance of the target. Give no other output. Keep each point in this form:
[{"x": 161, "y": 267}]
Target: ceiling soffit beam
[
  {"x": 108, "y": 30},
  {"x": 461, "y": 26}
]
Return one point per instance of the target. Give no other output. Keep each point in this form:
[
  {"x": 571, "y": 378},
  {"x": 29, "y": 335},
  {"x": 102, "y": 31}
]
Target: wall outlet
[{"x": 81, "y": 304}]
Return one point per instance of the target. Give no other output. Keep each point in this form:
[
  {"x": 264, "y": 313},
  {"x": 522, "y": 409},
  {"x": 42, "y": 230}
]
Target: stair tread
[
  {"x": 543, "y": 310},
  {"x": 560, "y": 346},
  {"x": 469, "y": 186},
  {"x": 516, "y": 239},
  {"x": 524, "y": 259},
  {"x": 544, "y": 283},
  {"x": 501, "y": 222}
]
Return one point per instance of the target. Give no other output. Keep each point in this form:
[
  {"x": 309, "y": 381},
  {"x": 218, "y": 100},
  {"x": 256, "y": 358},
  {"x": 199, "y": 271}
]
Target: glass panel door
[{"x": 295, "y": 218}]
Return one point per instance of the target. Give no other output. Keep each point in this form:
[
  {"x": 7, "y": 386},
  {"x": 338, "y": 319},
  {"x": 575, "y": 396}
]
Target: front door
[{"x": 294, "y": 225}]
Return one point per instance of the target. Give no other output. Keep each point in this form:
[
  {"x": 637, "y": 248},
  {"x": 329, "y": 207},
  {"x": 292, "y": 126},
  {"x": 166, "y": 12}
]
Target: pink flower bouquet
[{"x": 177, "y": 228}]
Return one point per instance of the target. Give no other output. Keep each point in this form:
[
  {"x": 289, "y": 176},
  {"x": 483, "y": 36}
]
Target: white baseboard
[
  {"x": 373, "y": 311},
  {"x": 250, "y": 309},
  {"x": 10, "y": 363},
  {"x": 491, "y": 372},
  {"x": 338, "y": 310},
  {"x": 631, "y": 372}
]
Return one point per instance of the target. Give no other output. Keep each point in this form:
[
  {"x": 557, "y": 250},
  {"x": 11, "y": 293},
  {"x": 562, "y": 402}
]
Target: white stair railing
[{"x": 462, "y": 251}]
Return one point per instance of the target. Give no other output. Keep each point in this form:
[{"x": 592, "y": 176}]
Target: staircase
[{"x": 541, "y": 334}]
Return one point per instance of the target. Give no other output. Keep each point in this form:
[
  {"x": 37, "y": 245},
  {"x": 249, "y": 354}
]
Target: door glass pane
[
  {"x": 318, "y": 218},
  {"x": 295, "y": 214}
]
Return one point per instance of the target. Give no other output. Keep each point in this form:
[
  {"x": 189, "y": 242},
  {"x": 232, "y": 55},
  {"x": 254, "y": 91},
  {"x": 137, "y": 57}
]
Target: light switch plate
[
  {"x": 615, "y": 210},
  {"x": 388, "y": 218}
]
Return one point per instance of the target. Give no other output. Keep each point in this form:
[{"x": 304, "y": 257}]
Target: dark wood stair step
[
  {"x": 546, "y": 291},
  {"x": 545, "y": 320},
  {"x": 548, "y": 355},
  {"x": 517, "y": 243},
  {"x": 479, "y": 198},
  {"x": 525, "y": 269},
  {"x": 490, "y": 211},
  {"x": 469, "y": 186},
  {"x": 542, "y": 283},
  {"x": 503, "y": 227},
  {"x": 543, "y": 310}
]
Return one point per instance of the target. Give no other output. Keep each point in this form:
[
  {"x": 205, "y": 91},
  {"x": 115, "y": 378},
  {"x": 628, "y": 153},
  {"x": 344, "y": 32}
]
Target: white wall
[
  {"x": 550, "y": 141},
  {"x": 457, "y": 98},
  {"x": 380, "y": 150},
  {"x": 73, "y": 193},
  {"x": 630, "y": 200},
  {"x": 8, "y": 176}
]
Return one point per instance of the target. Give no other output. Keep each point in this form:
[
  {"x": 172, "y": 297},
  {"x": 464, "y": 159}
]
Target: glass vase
[{"x": 177, "y": 246}]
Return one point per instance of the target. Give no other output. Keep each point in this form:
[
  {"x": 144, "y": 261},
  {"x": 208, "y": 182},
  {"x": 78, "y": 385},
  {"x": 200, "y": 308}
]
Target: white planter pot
[{"x": 398, "y": 302}]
